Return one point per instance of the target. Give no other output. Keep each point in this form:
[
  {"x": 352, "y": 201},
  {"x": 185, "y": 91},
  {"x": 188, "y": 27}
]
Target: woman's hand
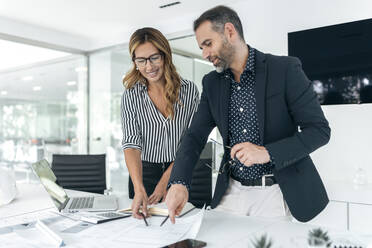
[
  {"x": 139, "y": 202},
  {"x": 159, "y": 193}
]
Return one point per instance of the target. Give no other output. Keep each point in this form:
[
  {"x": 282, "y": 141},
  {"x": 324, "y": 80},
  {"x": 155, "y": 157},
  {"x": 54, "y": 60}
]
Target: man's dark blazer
[{"x": 291, "y": 123}]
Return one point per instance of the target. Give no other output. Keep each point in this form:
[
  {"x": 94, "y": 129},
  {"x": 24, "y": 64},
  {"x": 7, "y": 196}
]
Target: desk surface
[{"x": 218, "y": 229}]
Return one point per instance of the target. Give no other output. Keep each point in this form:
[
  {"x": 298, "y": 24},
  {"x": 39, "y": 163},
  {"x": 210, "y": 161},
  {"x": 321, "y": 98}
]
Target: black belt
[{"x": 268, "y": 180}]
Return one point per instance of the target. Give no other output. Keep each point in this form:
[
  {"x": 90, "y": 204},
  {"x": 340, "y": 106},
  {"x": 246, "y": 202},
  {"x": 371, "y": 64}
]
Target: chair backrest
[
  {"x": 81, "y": 172},
  {"x": 201, "y": 184}
]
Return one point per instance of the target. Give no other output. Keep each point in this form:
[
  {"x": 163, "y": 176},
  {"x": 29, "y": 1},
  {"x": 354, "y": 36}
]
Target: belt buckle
[{"x": 263, "y": 178}]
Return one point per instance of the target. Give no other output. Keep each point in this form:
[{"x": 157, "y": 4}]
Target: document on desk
[
  {"x": 26, "y": 218},
  {"x": 28, "y": 235},
  {"x": 132, "y": 232}
]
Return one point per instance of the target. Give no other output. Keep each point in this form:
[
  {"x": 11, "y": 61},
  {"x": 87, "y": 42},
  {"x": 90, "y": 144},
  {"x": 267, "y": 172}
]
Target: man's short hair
[{"x": 219, "y": 16}]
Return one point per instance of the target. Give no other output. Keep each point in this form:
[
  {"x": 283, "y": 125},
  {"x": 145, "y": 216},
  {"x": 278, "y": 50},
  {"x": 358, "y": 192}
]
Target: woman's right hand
[{"x": 140, "y": 202}]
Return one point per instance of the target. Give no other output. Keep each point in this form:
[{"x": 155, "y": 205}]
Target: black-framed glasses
[
  {"x": 230, "y": 162},
  {"x": 153, "y": 59}
]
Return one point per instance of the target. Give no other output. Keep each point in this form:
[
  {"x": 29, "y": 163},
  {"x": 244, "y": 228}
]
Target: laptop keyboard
[{"x": 82, "y": 202}]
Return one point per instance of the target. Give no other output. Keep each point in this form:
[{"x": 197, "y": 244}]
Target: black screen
[{"x": 338, "y": 59}]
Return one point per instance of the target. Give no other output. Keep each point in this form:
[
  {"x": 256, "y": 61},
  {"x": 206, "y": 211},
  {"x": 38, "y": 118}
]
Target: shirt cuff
[
  {"x": 134, "y": 146},
  {"x": 179, "y": 182},
  {"x": 271, "y": 163}
]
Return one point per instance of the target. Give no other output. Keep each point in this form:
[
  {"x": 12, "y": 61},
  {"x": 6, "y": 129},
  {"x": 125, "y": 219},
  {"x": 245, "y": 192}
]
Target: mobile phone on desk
[{"x": 187, "y": 243}]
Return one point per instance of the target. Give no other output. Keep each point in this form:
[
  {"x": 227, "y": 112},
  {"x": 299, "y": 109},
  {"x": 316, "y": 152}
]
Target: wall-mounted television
[{"x": 338, "y": 59}]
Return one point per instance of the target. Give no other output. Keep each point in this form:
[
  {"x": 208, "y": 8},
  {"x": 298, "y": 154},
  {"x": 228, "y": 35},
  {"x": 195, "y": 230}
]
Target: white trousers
[{"x": 254, "y": 201}]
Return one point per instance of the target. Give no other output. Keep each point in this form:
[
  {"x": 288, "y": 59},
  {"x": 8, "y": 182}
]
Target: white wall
[
  {"x": 266, "y": 28},
  {"x": 267, "y": 24},
  {"x": 350, "y": 146}
]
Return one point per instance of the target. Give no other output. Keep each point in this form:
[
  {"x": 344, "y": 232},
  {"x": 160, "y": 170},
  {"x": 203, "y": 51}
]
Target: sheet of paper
[
  {"x": 13, "y": 240},
  {"x": 127, "y": 232},
  {"x": 130, "y": 232},
  {"x": 26, "y": 218},
  {"x": 195, "y": 227},
  {"x": 24, "y": 233},
  {"x": 34, "y": 237}
]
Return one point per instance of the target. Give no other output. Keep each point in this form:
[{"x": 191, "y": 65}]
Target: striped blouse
[{"x": 146, "y": 129}]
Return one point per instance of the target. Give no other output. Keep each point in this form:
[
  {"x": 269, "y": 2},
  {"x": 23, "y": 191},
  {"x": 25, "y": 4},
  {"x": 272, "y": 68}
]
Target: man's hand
[
  {"x": 159, "y": 193},
  {"x": 140, "y": 201},
  {"x": 176, "y": 199},
  {"x": 250, "y": 154}
]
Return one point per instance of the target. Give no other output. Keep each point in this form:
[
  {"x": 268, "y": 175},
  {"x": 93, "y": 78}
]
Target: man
[{"x": 266, "y": 110}]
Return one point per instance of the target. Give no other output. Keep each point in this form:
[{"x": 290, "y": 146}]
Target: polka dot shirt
[{"x": 243, "y": 120}]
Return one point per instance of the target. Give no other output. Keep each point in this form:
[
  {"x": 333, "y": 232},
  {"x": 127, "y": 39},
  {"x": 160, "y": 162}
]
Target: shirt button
[
  {"x": 241, "y": 168},
  {"x": 244, "y": 130},
  {"x": 241, "y": 109},
  {"x": 238, "y": 87}
]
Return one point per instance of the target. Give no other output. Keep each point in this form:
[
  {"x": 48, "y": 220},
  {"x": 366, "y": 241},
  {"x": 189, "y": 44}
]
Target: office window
[{"x": 42, "y": 108}]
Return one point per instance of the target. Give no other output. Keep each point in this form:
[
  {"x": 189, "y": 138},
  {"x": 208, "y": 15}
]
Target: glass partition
[
  {"x": 106, "y": 72},
  {"x": 44, "y": 108},
  {"x": 42, "y": 112}
]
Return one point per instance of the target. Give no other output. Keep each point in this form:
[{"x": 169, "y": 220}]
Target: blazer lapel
[
  {"x": 224, "y": 106},
  {"x": 260, "y": 88}
]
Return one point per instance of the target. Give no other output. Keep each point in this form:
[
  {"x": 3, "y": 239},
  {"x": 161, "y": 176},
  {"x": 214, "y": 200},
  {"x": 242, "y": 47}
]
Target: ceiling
[
  {"x": 88, "y": 25},
  {"x": 16, "y": 54},
  {"x": 51, "y": 81},
  {"x": 94, "y": 24}
]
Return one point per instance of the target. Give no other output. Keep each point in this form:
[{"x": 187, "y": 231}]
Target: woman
[{"x": 157, "y": 107}]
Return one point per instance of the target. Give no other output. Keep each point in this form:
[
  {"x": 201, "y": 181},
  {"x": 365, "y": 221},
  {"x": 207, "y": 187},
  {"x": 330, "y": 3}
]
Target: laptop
[{"x": 70, "y": 204}]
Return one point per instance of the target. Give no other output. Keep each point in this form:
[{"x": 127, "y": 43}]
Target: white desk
[
  {"x": 218, "y": 229},
  {"x": 30, "y": 198}
]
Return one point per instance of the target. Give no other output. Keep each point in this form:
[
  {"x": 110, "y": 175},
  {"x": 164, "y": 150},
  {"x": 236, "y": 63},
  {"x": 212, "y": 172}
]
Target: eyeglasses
[
  {"x": 153, "y": 59},
  {"x": 222, "y": 170},
  {"x": 230, "y": 162}
]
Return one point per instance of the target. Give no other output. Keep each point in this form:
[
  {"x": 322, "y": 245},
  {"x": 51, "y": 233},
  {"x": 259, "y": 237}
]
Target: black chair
[
  {"x": 201, "y": 184},
  {"x": 81, "y": 172}
]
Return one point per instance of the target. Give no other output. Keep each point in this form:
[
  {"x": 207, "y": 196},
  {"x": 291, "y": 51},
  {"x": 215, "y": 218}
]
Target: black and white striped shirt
[{"x": 146, "y": 129}]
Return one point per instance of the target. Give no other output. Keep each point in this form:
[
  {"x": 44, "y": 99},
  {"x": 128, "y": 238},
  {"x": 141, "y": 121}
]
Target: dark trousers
[{"x": 151, "y": 174}]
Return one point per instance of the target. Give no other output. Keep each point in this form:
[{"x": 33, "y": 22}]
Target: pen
[
  {"x": 144, "y": 218},
  {"x": 164, "y": 220}
]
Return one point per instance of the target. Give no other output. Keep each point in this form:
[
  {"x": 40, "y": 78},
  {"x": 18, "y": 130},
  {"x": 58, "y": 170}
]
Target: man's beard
[{"x": 225, "y": 56}]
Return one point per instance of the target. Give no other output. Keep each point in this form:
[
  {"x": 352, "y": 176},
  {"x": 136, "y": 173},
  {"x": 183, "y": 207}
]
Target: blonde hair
[{"x": 172, "y": 79}]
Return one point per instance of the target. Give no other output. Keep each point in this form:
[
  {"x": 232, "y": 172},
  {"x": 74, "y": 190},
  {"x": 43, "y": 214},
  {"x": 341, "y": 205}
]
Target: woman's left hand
[{"x": 159, "y": 193}]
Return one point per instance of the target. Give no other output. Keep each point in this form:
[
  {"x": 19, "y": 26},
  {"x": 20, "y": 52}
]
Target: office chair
[
  {"x": 201, "y": 184},
  {"x": 81, "y": 172}
]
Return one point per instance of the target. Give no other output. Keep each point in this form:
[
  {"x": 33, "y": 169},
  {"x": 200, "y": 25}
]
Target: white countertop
[{"x": 30, "y": 197}]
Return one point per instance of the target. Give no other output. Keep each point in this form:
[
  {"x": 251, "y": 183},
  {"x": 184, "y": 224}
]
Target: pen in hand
[
  {"x": 166, "y": 218},
  {"x": 144, "y": 218}
]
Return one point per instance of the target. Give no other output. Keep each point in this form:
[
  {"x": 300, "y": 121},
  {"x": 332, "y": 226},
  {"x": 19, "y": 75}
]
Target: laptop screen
[{"x": 48, "y": 179}]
